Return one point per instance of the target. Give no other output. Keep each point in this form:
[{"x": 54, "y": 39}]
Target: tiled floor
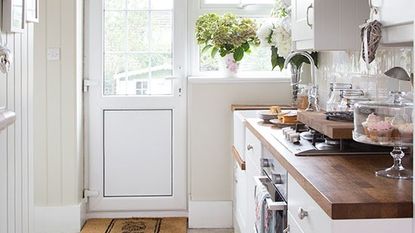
[{"x": 210, "y": 231}]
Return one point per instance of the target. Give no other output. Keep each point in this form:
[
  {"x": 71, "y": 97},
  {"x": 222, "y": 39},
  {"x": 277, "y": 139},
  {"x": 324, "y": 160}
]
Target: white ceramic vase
[{"x": 230, "y": 66}]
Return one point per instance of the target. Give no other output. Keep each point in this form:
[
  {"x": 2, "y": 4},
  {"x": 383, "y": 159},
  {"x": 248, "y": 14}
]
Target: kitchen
[{"x": 79, "y": 76}]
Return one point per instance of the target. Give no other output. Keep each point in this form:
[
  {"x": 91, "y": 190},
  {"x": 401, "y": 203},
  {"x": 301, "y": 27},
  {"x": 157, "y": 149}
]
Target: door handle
[
  {"x": 178, "y": 83},
  {"x": 308, "y": 18}
]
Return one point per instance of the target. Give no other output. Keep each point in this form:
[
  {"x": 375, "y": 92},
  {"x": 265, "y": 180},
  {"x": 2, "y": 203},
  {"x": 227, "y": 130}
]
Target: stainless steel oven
[{"x": 275, "y": 180}]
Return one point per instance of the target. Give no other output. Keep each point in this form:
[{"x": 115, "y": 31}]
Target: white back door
[{"x": 136, "y": 104}]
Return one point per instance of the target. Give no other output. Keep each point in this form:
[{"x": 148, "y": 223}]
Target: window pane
[
  {"x": 138, "y": 47},
  {"x": 115, "y": 31},
  {"x": 114, "y": 66},
  {"x": 222, "y": 1},
  {"x": 161, "y": 31},
  {"x": 114, "y": 4},
  {"x": 138, "y": 31},
  {"x": 161, "y": 66},
  {"x": 137, "y": 4},
  {"x": 162, "y": 4}
]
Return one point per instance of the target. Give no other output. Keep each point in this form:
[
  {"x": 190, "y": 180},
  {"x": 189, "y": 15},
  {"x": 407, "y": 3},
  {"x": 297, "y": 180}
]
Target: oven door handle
[{"x": 271, "y": 205}]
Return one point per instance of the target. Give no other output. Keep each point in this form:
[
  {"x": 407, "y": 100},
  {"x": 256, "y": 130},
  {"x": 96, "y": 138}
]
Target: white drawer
[
  {"x": 253, "y": 150},
  {"x": 239, "y": 130},
  {"x": 316, "y": 221},
  {"x": 293, "y": 225}
]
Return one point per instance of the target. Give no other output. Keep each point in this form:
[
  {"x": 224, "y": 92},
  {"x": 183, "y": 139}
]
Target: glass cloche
[{"x": 387, "y": 123}]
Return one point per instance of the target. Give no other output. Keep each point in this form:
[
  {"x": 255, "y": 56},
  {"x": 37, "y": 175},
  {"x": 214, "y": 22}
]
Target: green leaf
[
  {"x": 206, "y": 48},
  {"x": 276, "y": 59},
  {"x": 214, "y": 52},
  {"x": 246, "y": 46},
  {"x": 298, "y": 60},
  {"x": 238, "y": 54}
]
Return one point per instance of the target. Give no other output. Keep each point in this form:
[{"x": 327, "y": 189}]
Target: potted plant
[{"x": 229, "y": 35}]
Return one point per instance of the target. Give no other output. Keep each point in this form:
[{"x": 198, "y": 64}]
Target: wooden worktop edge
[{"x": 336, "y": 210}]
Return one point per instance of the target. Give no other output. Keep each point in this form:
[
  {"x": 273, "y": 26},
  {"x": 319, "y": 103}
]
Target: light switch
[{"x": 54, "y": 54}]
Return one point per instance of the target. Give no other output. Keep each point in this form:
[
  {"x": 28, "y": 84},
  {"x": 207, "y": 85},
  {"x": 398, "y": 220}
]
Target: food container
[{"x": 386, "y": 123}]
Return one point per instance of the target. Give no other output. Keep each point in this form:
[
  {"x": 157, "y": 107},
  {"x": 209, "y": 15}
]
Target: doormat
[{"x": 136, "y": 225}]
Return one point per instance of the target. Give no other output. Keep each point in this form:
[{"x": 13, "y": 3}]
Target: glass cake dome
[{"x": 387, "y": 123}]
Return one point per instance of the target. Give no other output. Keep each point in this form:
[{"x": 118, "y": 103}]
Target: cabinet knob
[
  {"x": 265, "y": 162},
  {"x": 302, "y": 213},
  {"x": 249, "y": 147}
]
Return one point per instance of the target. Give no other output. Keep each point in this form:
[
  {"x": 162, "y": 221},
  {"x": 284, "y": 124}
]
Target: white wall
[
  {"x": 58, "y": 104},
  {"x": 16, "y": 158},
  {"x": 210, "y": 142}
]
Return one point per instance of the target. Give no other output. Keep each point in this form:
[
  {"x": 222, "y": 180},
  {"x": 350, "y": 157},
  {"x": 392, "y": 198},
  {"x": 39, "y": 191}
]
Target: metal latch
[
  {"x": 86, "y": 84},
  {"x": 90, "y": 193}
]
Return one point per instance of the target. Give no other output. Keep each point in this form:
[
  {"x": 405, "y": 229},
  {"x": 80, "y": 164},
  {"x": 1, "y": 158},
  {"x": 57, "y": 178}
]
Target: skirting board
[
  {"x": 210, "y": 214},
  {"x": 59, "y": 219}
]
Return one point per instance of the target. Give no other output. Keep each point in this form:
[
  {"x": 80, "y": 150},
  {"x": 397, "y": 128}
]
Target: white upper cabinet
[
  {"x": 328, "y": 24},
  {"x": 397, "y": 18}
]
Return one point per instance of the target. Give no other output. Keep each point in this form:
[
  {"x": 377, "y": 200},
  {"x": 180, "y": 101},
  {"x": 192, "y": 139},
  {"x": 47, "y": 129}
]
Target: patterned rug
[{"x": 136, "y": 225}]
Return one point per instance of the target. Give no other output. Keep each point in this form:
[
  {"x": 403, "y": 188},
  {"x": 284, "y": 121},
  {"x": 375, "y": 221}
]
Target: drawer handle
[
  {"x": 302, "y": 213},
  {"x": 287, "y": 230},
  {"x": 308, "y": 11},
  {"x": 249, "y": 147}
]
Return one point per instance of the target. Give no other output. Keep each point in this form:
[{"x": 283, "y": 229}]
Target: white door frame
[{"x": 93, "y": 115}]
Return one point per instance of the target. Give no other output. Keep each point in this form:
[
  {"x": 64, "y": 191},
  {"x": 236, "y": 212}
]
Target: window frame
[{"x": 197, "y": 8}]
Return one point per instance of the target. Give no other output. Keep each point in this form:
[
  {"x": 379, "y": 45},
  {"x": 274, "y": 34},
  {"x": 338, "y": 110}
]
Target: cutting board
[{"x": 332, "y": 129}]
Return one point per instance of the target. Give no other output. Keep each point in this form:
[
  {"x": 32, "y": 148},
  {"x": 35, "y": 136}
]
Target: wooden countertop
[
  {"x": 239, "y": 107},
  {"x": 345, "y": 187}
]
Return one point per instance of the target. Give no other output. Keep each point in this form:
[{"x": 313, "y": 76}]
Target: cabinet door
[
  {"x": 293, "y": 225},
  {"x": 302, "y": 22},
  {"x": 240, "y": 196}
]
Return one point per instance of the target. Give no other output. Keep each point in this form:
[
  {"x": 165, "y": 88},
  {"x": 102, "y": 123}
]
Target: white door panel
[
  {"x": 135, "y": 163},
  {"x": 136, "y": 113}
]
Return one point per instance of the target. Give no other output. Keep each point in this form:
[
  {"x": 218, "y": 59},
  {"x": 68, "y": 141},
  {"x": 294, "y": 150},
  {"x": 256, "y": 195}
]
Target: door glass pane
[{"x": 138, "y": 47}]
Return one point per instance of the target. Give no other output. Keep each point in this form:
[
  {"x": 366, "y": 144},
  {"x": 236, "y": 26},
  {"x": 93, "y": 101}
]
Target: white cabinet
[
  {"x": 241, "y": 176},
  {"x": 305, "y": 211},
  {"x": 328, "y": 24},
  {"x": 293, "y": 225},
  {"x": 253, "y": 154},
  {"x": 397, "y": 18},
  {"x": 240, "y": 197},
  {"x": 306, "y": 216}
]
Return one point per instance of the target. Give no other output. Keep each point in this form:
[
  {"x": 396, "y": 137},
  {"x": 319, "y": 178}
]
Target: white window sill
[{"x": 209, "y": 80}]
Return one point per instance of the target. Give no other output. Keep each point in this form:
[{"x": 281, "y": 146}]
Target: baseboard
[
  {"x": 59, "y": 219},
  {"x": 141, "y": 214},
  {"x": 210, "y": 214}
]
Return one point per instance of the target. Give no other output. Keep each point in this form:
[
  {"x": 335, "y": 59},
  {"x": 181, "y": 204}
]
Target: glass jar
[
  {"x": 335, "y": 96},
  {"x": 302, "y": 98}
]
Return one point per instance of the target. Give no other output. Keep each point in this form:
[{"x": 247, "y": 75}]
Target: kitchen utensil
[{"x": 400, "y": 74}]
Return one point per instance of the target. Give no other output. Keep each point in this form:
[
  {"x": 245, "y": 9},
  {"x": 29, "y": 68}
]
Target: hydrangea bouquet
[
  {"x": 276, "y": 34},
  {"x": 230, "y": 36}
]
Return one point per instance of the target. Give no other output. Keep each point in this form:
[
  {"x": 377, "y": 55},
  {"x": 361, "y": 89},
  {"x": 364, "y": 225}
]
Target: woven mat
[{"x": 136, "y": 225}]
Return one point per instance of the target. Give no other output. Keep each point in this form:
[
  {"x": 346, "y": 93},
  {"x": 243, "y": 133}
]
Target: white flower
[
  {"x": 264, "y": 33},
  {"x": 282, "y": 39}
]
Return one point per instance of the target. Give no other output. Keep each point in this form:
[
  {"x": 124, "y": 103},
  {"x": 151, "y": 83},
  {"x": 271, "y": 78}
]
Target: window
[
  {"x": 258, "y": 62},
  {"x": 138, "y": 46}
]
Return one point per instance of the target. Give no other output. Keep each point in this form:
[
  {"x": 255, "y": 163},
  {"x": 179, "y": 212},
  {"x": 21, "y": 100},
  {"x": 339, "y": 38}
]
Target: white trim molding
[
  {"x": 210, "y": 214},
  {"x": 60, "y": 219}
]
